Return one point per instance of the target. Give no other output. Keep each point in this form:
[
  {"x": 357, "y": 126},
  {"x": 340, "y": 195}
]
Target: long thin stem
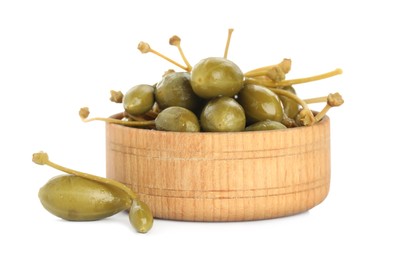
[
  {"x": 41, "y": 158},
  {"x": 230, "y": 32},
  {"x": 189, "y": 67},
  {"x": 176, "y": 41},
  {"x": 309, "y": 79},
  {"x": 322, "y": 113},
  {"x": 145, "y": 48},
  {"x": 84, "y": 113},
  {"x": 283, "y": 83},
  {"x": 333, "y": 100},
  {"x": 315, "y": 100},
  {"x": 168, "y": 59},
  {"x": 121, "y": 122},
  {"x": 290, "y": 95}
]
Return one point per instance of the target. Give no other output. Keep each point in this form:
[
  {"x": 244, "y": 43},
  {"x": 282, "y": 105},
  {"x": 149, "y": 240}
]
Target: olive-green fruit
[
  {"x": 290, "y": 106},
  {"x": 223, "y": 114},
  {"x": 265, "y": 125},
  {"x": 175, "y": 90},
  {"x": 260, "y": 104},
  {"x": 75, "y": 198},
  {"x": 139, "y": 99},
  {"x": 140, "y": 216},
  {"x": 215, "y": 76},
  {"x": 177, "y": 119}
]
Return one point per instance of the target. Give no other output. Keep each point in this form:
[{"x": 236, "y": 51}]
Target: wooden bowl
[{"x": 222, "y": 176}]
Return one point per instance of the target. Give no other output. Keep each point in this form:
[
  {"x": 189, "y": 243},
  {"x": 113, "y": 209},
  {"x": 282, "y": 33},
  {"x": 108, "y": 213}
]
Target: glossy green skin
[
  {"x": 265, "y": 125},
  {"x": 215, "y": 76},
  {"x": 223, "y": 114},
  {"x": 175, "y": 90},
  {"x": 140, "y": 216},
  {"x": 139, "y": 99},
  {"x": 290, "y": 107},
  {"x": 78, "y": 199},
  {"x": 260, "y": 104},
  {"x": 177, "y": 119}
]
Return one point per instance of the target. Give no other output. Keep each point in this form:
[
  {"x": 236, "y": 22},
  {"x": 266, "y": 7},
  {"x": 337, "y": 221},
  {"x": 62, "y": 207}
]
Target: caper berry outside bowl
[{"x": 222, "y": 176}]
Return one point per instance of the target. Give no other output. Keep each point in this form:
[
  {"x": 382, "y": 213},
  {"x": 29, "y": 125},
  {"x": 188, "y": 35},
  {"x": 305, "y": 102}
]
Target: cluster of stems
[
  {"x": 176, "y": 41},
  {"x": 272, "y": 77}
]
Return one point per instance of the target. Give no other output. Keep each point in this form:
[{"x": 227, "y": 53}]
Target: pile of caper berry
[{"x": 216, "y": 96}]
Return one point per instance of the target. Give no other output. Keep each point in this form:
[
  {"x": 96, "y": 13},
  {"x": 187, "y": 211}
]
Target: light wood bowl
[{"x": 222, "y": 176}]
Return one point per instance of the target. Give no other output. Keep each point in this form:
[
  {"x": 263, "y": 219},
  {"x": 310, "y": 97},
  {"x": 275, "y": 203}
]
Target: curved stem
[
  {"x": 306, "y": 114},
  {"x": 41, "y": 158},
  {"x": 290, "y": 95},
  {"x": 230, "y": 32},
  {"x": 121, "y": 122}
]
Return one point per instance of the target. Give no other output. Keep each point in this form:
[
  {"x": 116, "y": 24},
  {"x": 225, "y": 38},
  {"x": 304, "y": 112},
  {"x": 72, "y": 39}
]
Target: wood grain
[{"x": 223, "y": 176}]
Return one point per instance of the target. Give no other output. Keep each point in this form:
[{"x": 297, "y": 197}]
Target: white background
[{"x": 57, "y": 56}]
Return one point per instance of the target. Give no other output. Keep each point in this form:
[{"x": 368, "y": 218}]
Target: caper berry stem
[
  {"x": 323, "y": 112},
  {"x": 230, "y": 32},
  {"x": 284, "y": 65},
  {"x": 333, "y": 100},
  {"x": 309, "y": 79},
  {"x": 41, "y": 158},
  {"x": 275, "y": 73},
  {"x": 145, "y": 48},
  {"x": 315, "y": 100},
  {"x": 176, "y": 41},
  {"x": 290, "y": 95},
  {"x": 121, "y": 122},
  {"x": 84, "y": 113},
  {"x": 269, "y": 83},
  {"x": 258, "y": 72},
  {"x": 305, "y": 115}
]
